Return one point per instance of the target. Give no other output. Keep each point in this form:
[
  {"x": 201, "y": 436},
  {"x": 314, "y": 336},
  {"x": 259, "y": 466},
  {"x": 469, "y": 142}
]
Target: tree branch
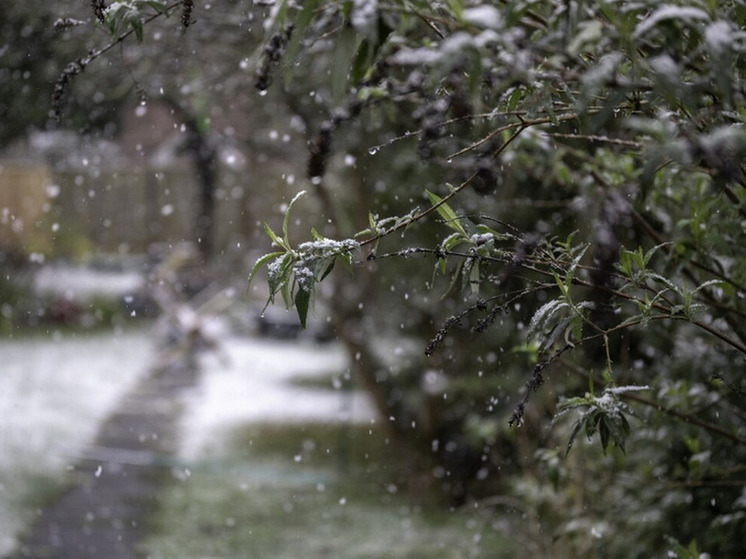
[{"x": 692, "y": 420}]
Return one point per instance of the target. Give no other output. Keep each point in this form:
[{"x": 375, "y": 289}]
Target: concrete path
[{"x": 114, "y": 486}]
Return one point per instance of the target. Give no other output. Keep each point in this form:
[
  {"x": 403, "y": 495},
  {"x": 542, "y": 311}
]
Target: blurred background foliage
[{"x": 586, "y": 156}]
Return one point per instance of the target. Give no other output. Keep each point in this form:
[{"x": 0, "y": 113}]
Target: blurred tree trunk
[{"x": 203, "y": 153}]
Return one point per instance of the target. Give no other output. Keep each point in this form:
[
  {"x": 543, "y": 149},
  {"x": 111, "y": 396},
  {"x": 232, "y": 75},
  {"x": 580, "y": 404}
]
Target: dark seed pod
[
  {"x": 186, "y": 12},
  {"x": 319, "y": 149},
  {"x": 430, "y": 117},
  {"x": 99, "y": 7},
  {"x": 271, "y": 56},
  {"x": 61, "y": 85},
  {"x": 486, "y": 178}
]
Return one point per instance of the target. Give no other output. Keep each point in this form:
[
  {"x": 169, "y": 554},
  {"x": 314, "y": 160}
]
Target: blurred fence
[
  {"x": 71, "y": 212},
  {"x": 23, "y": 196}
]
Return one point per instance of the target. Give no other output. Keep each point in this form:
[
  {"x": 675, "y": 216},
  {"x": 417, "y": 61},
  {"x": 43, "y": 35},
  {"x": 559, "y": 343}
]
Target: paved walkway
[{"x": 114, "y": 486}]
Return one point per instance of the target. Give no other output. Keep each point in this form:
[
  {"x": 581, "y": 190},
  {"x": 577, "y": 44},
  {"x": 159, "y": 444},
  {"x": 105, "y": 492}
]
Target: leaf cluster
[
  {"x": 622, "y": 121},
  {"x": 294, "y": 271},
  {"x": 120, "y": 17},
  {"x": 605, "y": 414}
]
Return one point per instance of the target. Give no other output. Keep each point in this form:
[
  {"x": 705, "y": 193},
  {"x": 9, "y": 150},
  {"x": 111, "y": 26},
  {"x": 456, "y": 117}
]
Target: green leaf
[
  {"x": 136, "y": 23},
  {"x": 375, "y": 37},
  {"x": 475, "y": 278},
  {"x": 454, "y": 278},
  {"x": 574, "y": 264},
  {"x": 452, "y": 241},
  {"x": 274, "y": 238},
  {"x": 361, "y": 62},
  {"x": 591, "y": 420},
  {"x": 515, "y": 98},
  {"x": 301, "y": 23},
  {"x": 649, "y": 254},
  {"x": 286, "y": 219},
  {"x": 574, "y": 329},
  {"x": 328, "y": 270},
  {"x": 278, "y": 276},
  {"x": 564, "y": 289},
  {"x": 156, "y": 5},
  {"x": 690, "y": 552},
  {"x": 573, "y": 435},
  {"x": 619, "y": 429},
  {"x": 544, "y": 315},
  {"x": 572, "y": 403},
  {"x": 603, "y": 431},
  {"x": 344, "y": 53},
  {"x": 708, "y": 284},
  {"x": 302, "y": 300},
  {"x": 457, "y": 8},
  {"x": 261, "y": 262},
  {"x": 285, "y": 290},
  {"x": 444, "y": 210}
]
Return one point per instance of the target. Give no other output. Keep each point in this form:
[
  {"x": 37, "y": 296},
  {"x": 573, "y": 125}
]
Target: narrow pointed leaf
[
  {"x": 444, "y": 210},
  {"x": 286, "y": 219},
  {"x": 273, "y": 237},
  {"x": 302, "y": 300}
]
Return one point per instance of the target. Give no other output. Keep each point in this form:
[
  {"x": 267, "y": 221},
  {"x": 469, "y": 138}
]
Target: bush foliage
[{"x": 546, "y": 195}]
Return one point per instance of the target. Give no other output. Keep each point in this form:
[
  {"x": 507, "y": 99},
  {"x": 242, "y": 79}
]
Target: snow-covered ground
[
  {"x": 252, "y": 382},
  {"x": 76, "y": 282},
  {"x": 55, "y": 391}
]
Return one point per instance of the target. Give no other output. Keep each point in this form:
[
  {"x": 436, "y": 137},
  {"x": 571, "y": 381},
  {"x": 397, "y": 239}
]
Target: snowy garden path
[
  {"x": 172, "y": 415},
  {"x": 114, "y": 485}
]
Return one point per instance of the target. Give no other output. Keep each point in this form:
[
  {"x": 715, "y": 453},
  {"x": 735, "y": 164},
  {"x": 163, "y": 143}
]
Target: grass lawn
[{"x": 307, "y": 491}]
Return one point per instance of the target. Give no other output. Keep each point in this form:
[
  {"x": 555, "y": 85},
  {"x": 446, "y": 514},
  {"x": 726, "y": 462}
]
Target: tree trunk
[{"x": 203, "y": 154}]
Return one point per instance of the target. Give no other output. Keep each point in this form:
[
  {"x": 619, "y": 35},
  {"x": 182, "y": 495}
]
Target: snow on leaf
[
  {"x": 324, "y": 247},
  {"x": 452, "y": 241},
  {"x": 364, "y": 15},
  {"x": 261, "y": 262},
  {"x": 628, "y": 388},
  {"x": 718, "y": 38},
  {"x": 590, "y": 32},
  {"x": 686, "y": 13},
  {"x": 597, "y": 76},
  {"x": 606, "y": 414},
  {"x": 416, "y": 57},
  {"x": 666, "y": 68},
  {"x": 458, "y": 43},
  {"x": 544, "y": 314},
  {"x": 278, "y": 273},
  {"x": 483, "y": 16}
]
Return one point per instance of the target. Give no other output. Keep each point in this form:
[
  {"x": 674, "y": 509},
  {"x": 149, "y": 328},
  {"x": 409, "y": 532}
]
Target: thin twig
[
  {"x": 76, "y": 67},
  {"x": 534, "y": 383},
  {"x": 594, "y": 138},
  {"x": 442, "y": 201}
]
